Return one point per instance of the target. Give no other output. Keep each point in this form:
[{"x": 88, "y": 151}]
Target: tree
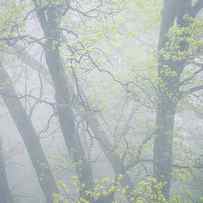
[
  {"x": 29, "y": 136},
  {"x": 77, "y": 42},
  {"x": 169, "y": 71},
  {"x": 49, "y": 19}
]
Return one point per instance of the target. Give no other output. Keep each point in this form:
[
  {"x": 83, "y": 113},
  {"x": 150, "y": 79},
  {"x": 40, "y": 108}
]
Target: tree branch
[
  {"x": 196, "y": 8},
  {"x": 192, "y": 90}
]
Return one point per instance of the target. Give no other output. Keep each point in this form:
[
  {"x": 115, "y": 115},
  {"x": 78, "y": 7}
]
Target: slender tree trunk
[
  {"x": 63, "y": 97},
  {"x": 66, "y": 116},
  {"x": 5, "y": 193},
  {"x": 163, "y": 142},
  {"x": 169, "y": 72},
  {"x": 28, "y": 134},
  {"x": 107, "y": 148},
  {"x": 166, "y": 107}
]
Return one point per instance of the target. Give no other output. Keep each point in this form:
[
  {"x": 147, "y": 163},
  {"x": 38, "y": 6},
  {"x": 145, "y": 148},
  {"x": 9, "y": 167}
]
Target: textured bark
[
  {"x": 28, "y": 134},
  {"x": 5, "y": 193}
]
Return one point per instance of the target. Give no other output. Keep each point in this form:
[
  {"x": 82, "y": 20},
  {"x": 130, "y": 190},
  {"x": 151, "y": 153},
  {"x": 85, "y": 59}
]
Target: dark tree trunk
[
  {"x": 169, "y": 72},
  {"x": 63, "y": 96},
  {"x": 66, "y": 116},
  {"x": 165, "y": 108},
  {"x": 29, "y": 135},
  {"x": 5, "y": 193},
  {"x": 163, "y": 142}
]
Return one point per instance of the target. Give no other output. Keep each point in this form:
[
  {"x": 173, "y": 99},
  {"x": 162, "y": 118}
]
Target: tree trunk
[
  {"x": 67, "y": 118},
  {"x": 29, "y": 136},
  {"x": 63, "y": 97},
  {"x": 93, "y": 122},
  {"x": 107, "y": 148},
  {"x": 168, "y": 95},
  {"x": 163, "y": 142},
  {"x": 5, "y": 193}
]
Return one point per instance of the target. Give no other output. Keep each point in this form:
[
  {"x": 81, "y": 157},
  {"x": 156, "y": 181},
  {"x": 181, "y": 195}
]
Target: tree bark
[
  {"x": 168, "y": 96},
  {"x": 28, "y": 134},
  {"x": 63, "y": 96},
  {"x": 5, "y": 193}
]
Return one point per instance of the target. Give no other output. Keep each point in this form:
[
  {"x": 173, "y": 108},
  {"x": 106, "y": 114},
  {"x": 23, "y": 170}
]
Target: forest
[{"x": 101, "y": 101}]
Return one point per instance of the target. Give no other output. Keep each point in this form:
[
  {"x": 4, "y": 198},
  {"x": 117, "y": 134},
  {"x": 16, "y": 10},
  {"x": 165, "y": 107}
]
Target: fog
[{"x": 101, "y": 101}]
